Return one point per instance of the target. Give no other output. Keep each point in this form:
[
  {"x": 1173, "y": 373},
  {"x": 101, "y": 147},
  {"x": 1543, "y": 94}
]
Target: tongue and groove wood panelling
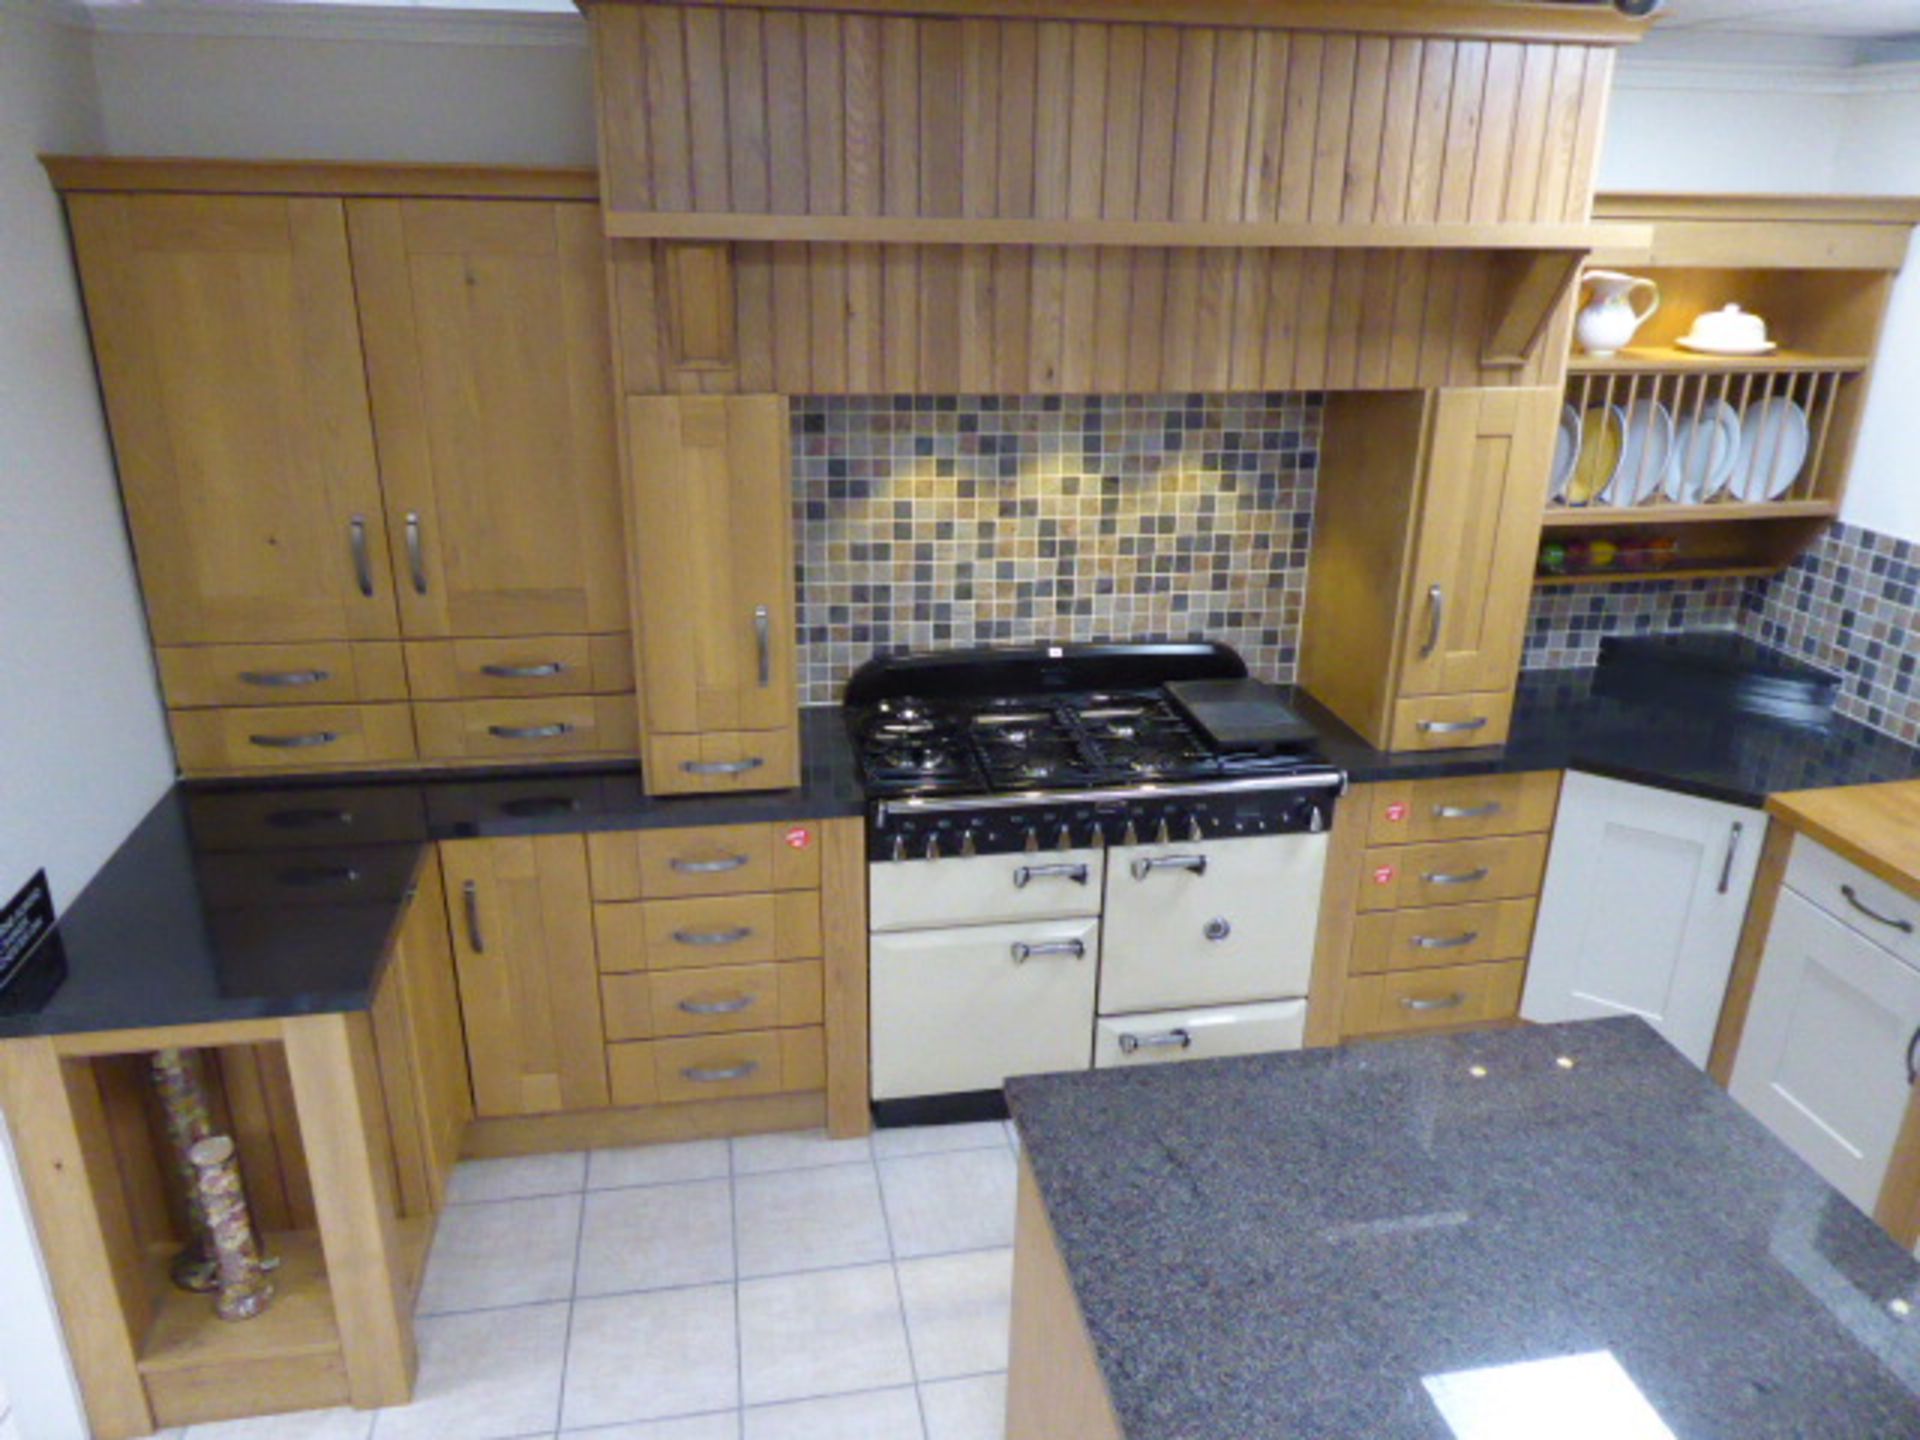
[
  {"x": 750, "y": 111},
  {"x": 856, "y": 319}
]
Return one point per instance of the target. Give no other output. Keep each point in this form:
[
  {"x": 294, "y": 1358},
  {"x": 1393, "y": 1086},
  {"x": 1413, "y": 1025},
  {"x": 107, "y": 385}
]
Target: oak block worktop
[{"x": 1875, "y": 826}]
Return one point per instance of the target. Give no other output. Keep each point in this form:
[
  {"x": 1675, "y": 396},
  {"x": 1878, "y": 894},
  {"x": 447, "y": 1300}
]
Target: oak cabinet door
[
  {"x": 230, "y": 358},
  {"x": 714, "y": 562},
  {"x": 1478, "y": 528},
  {"x": 1646, "y": 892},
  {"x": 492, "y": 385},
  {"x": 522, "y": 921}
]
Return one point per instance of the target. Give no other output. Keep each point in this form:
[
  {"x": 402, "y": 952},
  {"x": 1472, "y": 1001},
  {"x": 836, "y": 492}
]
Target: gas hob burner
[
  {"x": 906, "y": 710},
  {"x": 913, "y": 759}
]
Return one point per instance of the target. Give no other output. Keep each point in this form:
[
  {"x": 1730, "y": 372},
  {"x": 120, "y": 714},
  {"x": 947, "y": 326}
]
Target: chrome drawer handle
[
  {"x": 1467, "y": 812},
  {"x": 710, "y": 867},
  {"x": 284, "y": 679},
  {"x": 715, "y": 1075},
  {"x": 1165, "y": 1040},
  {"x": 1027, "y": 874},
  {"x": 294, "y": 742},
  {"x": 1450, "y": 1002},
  {"x": 717, "y": 1007},
  {"x": 308, "y": 819},
  {"x": 1913, "y": 1073},
  {"x": 1905, "y": 927},
  {"x": 1733, "y": 849},
  {"x": 1450, "y": 727},
  {"x": 712, "y": 937},
  {"x": 416, "y": 557},
  {"x": 1024, "y": 951},
  {"x": 721, "y": 767},
  {"x": 306, "y": 877},
  {"x": 531, "y": 732},
  {"x": 362, "y": 562},
  {"x": 1436, "y": 614},
  {"x": 1444, "y": 942},
  {"x": 1145, "y": 865},
  {"x": 545, "y": 670},
  {"x": 1459, "y": 877},
  {"x": 475, "y": 939}
]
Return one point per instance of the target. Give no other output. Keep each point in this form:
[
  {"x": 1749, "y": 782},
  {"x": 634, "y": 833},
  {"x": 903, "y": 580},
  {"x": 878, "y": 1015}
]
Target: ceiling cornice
[
  {"x": 52, "y": 12},
  {"x": 244, "y": 20},
  {"x": 1645, "y": 73}
]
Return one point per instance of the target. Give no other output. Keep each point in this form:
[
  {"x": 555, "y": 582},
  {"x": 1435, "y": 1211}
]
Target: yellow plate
[{"x": 1602, "y": 438}]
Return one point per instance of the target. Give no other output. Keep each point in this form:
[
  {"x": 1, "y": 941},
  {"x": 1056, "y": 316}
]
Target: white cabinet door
[
  {"x": 1641, "y": 912},
  {"x": 962, "y": 1009},
  {"x": 1823, "y": 1060}
]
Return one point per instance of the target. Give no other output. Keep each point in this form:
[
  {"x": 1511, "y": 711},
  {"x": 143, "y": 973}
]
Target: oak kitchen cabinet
[
  {"x": 1428, "y": 518},
  {"x": 1645, "y": 896}
]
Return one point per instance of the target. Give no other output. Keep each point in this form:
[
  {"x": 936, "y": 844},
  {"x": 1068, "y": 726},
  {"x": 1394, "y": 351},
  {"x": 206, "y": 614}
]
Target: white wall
[{"x": 83, "y": 753}]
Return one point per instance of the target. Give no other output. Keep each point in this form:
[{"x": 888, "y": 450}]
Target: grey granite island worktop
[{"x": 1291, "y": 1245}]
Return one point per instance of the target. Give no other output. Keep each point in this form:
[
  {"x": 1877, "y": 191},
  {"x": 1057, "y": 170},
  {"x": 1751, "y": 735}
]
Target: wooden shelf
[
  {"x": 187, "y": 1335},
  {"x": 1668, "y": 360},
  {"x": 1677, "y": 572},
  {"x": 1606, "y": 517}
]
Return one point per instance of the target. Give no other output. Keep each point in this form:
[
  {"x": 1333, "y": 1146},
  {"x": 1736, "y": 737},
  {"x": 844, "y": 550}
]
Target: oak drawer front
[
  {"x": 1452, "y": 722},
  {"x": 1433, "y": 999},
  {"x": 714, "y": 1067},
  {"x": 527, "y": 729},
  {"x": 712, "y": 1001},
  {"x": 292, "y": 737},
  {"x": 520, "y": 668},
  {"x": 1857, "y": 898},
  {"x": 696, "y": 934},
  {"x": 1465, "y": 809},
  {"x": 704, "y": 860},
  {"x": 322, "y": 673},
  {"x": 722, "y": 760},
  {"x": 1456, "y": 873},
  {"x": 1437, "y": 935}
]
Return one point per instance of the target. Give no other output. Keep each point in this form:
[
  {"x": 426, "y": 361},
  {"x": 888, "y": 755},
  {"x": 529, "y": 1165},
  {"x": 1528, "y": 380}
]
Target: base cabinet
[{"x": 1645, "y": 895}]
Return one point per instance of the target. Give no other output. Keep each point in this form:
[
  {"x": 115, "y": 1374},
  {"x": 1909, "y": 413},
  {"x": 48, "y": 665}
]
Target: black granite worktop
[{"x": 1290, "y": 1245}]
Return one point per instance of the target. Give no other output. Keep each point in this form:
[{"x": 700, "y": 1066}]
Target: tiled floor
[{"x": 781, "y": 1287}]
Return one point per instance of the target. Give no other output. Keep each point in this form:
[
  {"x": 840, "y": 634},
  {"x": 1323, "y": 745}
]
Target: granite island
[{"x": 1330, "y": 1243}]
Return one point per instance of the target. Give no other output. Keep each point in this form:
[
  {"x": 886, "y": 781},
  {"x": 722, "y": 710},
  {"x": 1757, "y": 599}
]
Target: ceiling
[{"x": 1852, "y": 19}]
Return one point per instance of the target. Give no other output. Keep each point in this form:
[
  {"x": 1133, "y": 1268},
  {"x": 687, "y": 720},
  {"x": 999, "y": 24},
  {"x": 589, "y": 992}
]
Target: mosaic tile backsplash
[
  {"x": 1851, "y": 605},
  {"x": 1565, "y": 625},
  {"x": 936, "y": 522}
]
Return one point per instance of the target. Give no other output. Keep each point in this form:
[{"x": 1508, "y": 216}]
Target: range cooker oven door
[
  {"x": 962, "y": 1008},
  {"x": 1210, "y": 923}
]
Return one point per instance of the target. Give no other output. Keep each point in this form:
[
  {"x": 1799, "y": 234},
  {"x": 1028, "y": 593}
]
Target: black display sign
[{"x": 25, "y": 923}]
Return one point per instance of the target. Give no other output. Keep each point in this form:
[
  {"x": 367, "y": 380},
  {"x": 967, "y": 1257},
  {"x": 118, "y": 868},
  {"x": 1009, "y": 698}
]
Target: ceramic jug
[{"x": 1609, "y": 322}]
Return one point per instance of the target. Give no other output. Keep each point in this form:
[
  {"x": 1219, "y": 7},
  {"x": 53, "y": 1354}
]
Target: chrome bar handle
[
  {"x": 1458, "y": 877},
  {"x": 714, "y": 1075},
  {"x": 311, "y": 740},
  {"x": 1733, "y": 849},
  {"x": 1450, "y": 727},
  {"x": 721, "y": 866},
  {"x": 308, "y": 877},
  {"x": 713, "y": 937},
  {"x": 1024, "y": 951},
  {"x": 531, "y": 732},
  {"x": 1164, "y": 1040},
  {"x": 1436, "y": 614},
  {"x": 476, "y": 940},
  {"x": 1467, "y": 812},
  {"x": 546, "y": 669},
  {"x": 1449, "y": 1002},
  {"x": 362, "y": 562},
  {"x": 1027, "y": 874},
  {"x": 1913, "y": 1071},
  {"x": 284, "y": 679},
  {"x": 722, "y": 767},
  {"x": 1905, "y": 927},
  {"x": 1444, "y": 942},
  {"x": 416, "y": 557},
  {"x": 717, "y": 1007},
  {"x": 763, "y": 639},
  {"x": 1145, "y": 865}
]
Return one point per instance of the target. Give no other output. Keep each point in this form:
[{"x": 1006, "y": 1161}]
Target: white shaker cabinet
[{"x": 1645, "y": 895}]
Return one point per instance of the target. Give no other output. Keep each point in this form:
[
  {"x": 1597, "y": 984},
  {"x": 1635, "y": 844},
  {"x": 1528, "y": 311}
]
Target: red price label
[
  {"x": 1383, "y": 875},
  {"x": 799, "y": 838},
  {"x": 1399, "y": 811}
]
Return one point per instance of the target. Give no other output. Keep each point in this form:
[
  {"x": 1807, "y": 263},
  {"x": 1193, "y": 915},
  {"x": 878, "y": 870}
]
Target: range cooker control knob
[
  {"x": 1065, "y": 840},
  {"x": 1098, "y": 839},
  {"x": 899, "y": 848},
  {"x": 933, "y": 847},
  {"x": 1194, "y": 832},
  {"x": 1316, "y": 819},
  {"x": 1130, "y": 836},
  {"x": 1162, "y": 836},
  {"x": 967, "y": 850},
  {"x": 1033, "y": 840}
]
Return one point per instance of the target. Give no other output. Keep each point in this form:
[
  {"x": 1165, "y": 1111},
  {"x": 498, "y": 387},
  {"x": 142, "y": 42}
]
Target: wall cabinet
[
  {"x": 1645, "y": 895},
  {"x": 713, "y": 616},
  {"x": 1422, "y": 563}
]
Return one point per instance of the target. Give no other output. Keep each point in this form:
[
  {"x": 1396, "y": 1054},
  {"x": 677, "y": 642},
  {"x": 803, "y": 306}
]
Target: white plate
[
  {"x": 1686, "y": 342},
  {"x": 1644, "y": 454},
  {"x": 1773, "y": 447},
  {"x": 1566, "y": 450},
  {"x": 1706, "y": 448}
]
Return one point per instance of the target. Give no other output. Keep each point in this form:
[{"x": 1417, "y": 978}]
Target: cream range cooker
[{"x": 1081, "y": 855}]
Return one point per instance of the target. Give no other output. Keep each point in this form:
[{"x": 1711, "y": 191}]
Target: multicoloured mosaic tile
[
  {"x": 939, "y": 522},
  {"x": 1566, "y": 624}
]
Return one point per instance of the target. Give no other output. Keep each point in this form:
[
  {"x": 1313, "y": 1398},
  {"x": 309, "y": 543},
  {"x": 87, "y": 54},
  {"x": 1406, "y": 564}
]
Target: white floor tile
[
  {"x": 484, "y": 1377},
  {"x": 827, "y": 1333},
  {"x": 959, "y": 1308},
  {"x": 974, "y": 1409},
  {"x": 657, "y": 1164},
  {"x": 513, "y": 1252},
  {"x": 798, "y": 1150},
  {"x": 655, "y": 1237},
  {"x": 938, "y": 1203},
  {"x": 880, "y": 1415},
  {"x": 694, "y": 1427},
  {"x": 339, "y": 1424},
  {"x": 517, "y": 1178},
  {"x": 652, "y": 1356},
  {"x": 809, "y": 1220},
  {"x": 938, "y": 1139}
]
